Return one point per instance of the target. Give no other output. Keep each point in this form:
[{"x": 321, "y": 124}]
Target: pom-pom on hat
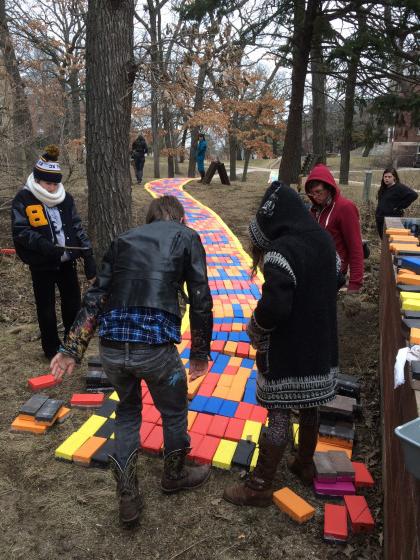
[{"x": 47, "y": 167}]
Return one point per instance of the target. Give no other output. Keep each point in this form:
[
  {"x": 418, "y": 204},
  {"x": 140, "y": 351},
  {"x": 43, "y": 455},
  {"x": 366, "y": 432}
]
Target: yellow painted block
[
  {"x": 323, "y": 447},
  {"x": 236, "y": 327},
  {"x": 227, "y": 310},
  {"x": 222, "y": 459},
  {"x": 235, "y": 394},
  {"x": 247, "y": 311},
  {"x": 192, "y": 414},
  {"x": 92, "y": 425},
  {"x": 295, "y": 434},
  {"x": 230, "y": 348},
  {"x": 112, "y": 436},
  {"x": 414, "y": 336},
  {"x": 254, "y": 459},
  {"x": 252, "y": 353},
  {"x": 114, "y": 396},
  {"x": 243, "y": 373},
  {"x": 409, "y": 295},
  {"x": 251, "y": 431},
  {"x": 221, "y": 392},
  {"x": 292, "y": 504},
  {"x": 228, "y": 284},
  {"x": 411, "y": 305},
  {"x": 235, "y": 361},
  {"x": 112, "y": 415},
  {"x": 71, "y": 445},
  {"x": 218, "y": 312},
  {"x": 193, "y": 386}
]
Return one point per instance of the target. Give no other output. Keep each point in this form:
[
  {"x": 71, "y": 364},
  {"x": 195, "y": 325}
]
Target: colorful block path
[{"x": 224, "y": 419}]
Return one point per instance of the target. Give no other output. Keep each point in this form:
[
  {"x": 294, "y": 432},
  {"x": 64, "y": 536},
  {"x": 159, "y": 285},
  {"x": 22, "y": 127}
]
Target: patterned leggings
[{"x": 279, "y": 423}]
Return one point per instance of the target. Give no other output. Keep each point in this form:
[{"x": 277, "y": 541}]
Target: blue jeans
[{"x": 163, "y": 371}]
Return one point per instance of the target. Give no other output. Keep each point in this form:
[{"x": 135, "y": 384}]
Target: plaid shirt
[{"x": 140, "y": 324}]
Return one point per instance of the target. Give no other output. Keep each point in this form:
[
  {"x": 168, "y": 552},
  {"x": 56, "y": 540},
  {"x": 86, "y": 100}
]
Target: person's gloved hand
[
  {"x": 351, "y": 303},
  {"x": 258, "y": 336}
]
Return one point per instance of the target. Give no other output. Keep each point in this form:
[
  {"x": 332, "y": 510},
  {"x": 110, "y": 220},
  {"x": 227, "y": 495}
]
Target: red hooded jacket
[{"x": 341, "y": 219}]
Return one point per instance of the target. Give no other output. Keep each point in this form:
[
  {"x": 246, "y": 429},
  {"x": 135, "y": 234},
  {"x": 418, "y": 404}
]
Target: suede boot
[
  {"x": 302, "y": 464},
  {"x": 257, "y": 489},
  {"x": 202, "y": 175},
  {"x": 177, "y": 476},
  {"x": 130, "y": 500}
]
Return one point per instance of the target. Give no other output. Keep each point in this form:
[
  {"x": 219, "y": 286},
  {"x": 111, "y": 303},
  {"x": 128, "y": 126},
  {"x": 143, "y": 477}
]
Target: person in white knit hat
[{"x": 44, "y": 223}]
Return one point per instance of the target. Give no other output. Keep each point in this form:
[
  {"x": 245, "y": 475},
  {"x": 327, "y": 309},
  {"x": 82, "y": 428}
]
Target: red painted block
[
  {"x": 148, "y": 399},
  {"x": 335, "y": 523},
  {"x": 258, "y": 414},
  {"x": 150, "y": 414},
  {"x": 87, "y": 399},
  {"x": 231, "y": 370},
  {"x": 42, "y": 382},
  {"x": 234, "y": 429},
  {"x": 218, "y": 426},
  {"x": 225, "y": 327},
  {"x": 196, "y": 439},
  {"x": 145, "y": 429},
  {"x": 220, "y": 285},
  {"x": 244, "y": 411},
  {"x": 217, "y": 345},
  {"x": 154, "y": 441},
  {"x": 205, "y": 390},
  {"x": 186, "y": 335},
  {"x": 236, "y": 285},
  {"x": 216, "y": 327},
  {"x": 206, "y": 450},
  {"x": 360, "y": 517},
  {"x": 202, "y": 423},
  {"x": 242, "y": 350},
  {"x": 362, "y": 477}
]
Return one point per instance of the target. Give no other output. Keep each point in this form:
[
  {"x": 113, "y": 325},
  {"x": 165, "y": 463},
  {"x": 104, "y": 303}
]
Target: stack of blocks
[{"x": 38, "y": 414}]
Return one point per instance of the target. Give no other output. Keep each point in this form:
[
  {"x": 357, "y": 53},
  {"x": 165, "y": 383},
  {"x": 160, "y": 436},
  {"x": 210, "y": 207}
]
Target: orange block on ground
[
  {"x": 84, "y": 454},
  {"x": 324, "y": 447},
  {"x": 414, "y": 336},
  {"x": 23, "y": 425},
  {"x": 292, "y": 504},
  {"x": 411, "y": 279}
]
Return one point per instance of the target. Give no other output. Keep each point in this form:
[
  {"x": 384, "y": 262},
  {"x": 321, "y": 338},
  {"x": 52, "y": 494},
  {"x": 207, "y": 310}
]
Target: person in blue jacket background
[{"x": 201, "y": 154}]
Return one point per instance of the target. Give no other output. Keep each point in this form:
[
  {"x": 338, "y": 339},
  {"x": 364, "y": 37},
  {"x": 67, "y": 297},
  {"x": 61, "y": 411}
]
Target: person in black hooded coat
[{"x": 294, "y": 330}]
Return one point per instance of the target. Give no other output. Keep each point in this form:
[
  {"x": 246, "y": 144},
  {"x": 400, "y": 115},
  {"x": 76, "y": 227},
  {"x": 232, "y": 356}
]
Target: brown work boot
[
  {"x": 130, "y": 500},
  {"x": 257, "y": 490},
  {"x": 302, "y": 464},
  {"x": 178, "y": 476}
]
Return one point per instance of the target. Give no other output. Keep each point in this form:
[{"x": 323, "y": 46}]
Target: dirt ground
[{"x": 51, "y": 509}]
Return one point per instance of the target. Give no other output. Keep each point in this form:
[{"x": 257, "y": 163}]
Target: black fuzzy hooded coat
[{"x": 298, "y": 304}]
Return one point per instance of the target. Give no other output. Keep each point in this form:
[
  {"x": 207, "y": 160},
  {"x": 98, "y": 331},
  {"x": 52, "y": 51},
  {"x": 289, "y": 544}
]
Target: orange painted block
[
  {"x": 402, "y": 247},
  {"x": 252, "y": 353},
  {"x": 292, "y": 504},
  {"x": 247, "y": 311},
  {"x": 218, "y": 311},
  {"x": 84, "y": 454},
  {"x": 230, "y": 348},
  {"x": 324, "y": 447},
  {"x": 225, "y": 380},
  {"x": 236, "y": 327},
  {"x": 227, "y": 310},
  {"x": 243, "y": 373},
  {"x": 403, "y": 239},
  {"x": 235, "y": 361},
  {"x": 397, "y": 231},
  {"x": 410, "y": 279},
  {"x": 414, "y": 336},
  {"x": 21, "y": 425},
  {"x": 192, "y": 415},
  {"x": 221, "y": 392},
  {"x": 406, "y": 271},
  {"x": 182, "y": 345},
  {"x": 193, "y": 386},
  {"x": 336, "y": 441}
]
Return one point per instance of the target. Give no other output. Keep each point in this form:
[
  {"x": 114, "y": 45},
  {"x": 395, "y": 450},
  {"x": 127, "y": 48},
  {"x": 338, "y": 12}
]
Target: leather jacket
[{"x": 147, "y": 267}]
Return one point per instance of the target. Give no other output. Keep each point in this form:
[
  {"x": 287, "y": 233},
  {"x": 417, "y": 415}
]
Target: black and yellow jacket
[{"x": 34, "y": 237}]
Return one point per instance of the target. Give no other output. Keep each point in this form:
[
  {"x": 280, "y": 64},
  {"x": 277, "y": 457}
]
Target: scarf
[{"x": 49, "y": 199}]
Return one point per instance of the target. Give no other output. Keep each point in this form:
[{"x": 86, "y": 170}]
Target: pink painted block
[{"x": 334, "y": 488}]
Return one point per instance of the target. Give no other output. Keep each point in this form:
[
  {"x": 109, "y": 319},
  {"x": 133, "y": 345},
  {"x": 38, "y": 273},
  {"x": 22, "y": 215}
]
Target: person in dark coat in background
[
  {"x": 294, "y": 330},
  {"x": 139, "y": 150},
  {"x": 393, "y": 198},
  {"x": 200, "y": 156},
  {"x": 44, "y": 222}
]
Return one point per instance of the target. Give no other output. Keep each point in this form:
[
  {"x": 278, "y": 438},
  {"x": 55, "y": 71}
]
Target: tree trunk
[
  {"x": 198, "y": 105},
  {"x": 302, "y": 39},
  {"x": 75, "y": 129},
  {"x": 346, "y": 143},
  {"x": 246, "y": 163},
  {"x": 319, "y": 121},
  {"x": 183, "y": 141},
  {"x": 168, "y": 140},
  {"x": 233, "y": 146},
  {"x": 23, "y": 149},
  {"x": 110, "y": 74}
]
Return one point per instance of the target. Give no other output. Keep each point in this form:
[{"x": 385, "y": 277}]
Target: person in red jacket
[{"x": 340, "y": 217}]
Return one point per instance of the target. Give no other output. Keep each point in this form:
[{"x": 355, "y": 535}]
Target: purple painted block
[
  {"x": 334, "y": 489},
  {"x": 323, "y": 478},
  {"x": 345, "y": 478}
]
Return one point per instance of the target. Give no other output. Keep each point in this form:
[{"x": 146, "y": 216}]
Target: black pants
[
  {"x": 139, "y": 165},
  {"x": 44, "y": 282},
  {"x": 380, "y": 226}
]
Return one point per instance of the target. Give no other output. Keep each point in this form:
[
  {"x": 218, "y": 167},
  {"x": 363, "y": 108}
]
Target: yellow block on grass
[
  {"x": 71, "y": 445},
  {"x": 251, "y": 431},
  {"x": 222, "y": 459},
  {"x": 292, "y": 504},
  {"x": 92, "y": 425}
]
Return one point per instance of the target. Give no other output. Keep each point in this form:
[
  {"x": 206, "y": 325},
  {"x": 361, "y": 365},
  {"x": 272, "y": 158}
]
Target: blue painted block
[
  {"x": 222, "y": 336},
  {"x": 250, "y": 398},
  {"x": 213, "y": 405},
  {"x": 255, "y": 291},
  {"x": 237, "y": 310},
  {"x": 253, "y": 375},
  {"x": 185, "y": 353},
  {"x": 248, "y": 363},
  {"x": 235, "y": 336},
  {"x": 218, "y": 320},
  {"x": 243, "y": 337},
  {"x": 198, "y": 403},
  {"x": 214, "y": 355},
  {"x": 228, "y": 408},
  {"x": 220, "y": 364}
]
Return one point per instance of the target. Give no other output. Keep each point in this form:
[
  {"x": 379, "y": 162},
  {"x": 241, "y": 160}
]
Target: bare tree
[{"x": 110, "y": 73}]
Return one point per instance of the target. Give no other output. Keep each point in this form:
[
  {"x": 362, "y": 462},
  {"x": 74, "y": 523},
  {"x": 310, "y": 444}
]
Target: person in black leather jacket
[
  {"x": 44, "y": 220},
  {"x": 136, "y": 302}
]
